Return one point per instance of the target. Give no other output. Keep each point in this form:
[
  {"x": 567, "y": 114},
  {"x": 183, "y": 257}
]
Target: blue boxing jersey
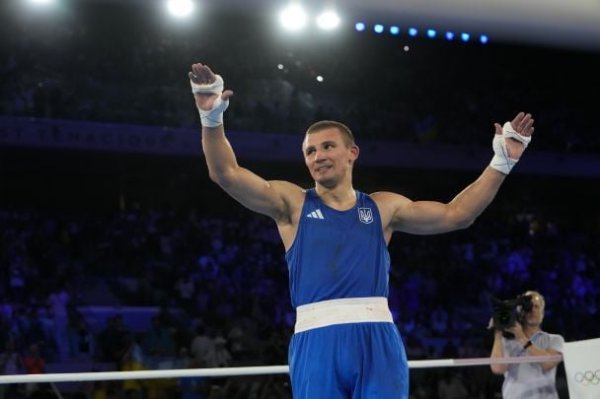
[{"x": 338, "y": 254}]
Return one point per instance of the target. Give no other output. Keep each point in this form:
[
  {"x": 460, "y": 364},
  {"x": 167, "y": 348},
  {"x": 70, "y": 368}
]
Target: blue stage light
[{"x": 360, "y": 26}]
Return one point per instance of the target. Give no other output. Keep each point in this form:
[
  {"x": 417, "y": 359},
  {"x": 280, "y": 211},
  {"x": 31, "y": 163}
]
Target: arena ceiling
[{"x": 556, "y": 23}]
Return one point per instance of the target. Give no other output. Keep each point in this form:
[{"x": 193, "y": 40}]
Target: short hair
[
  {"x": 533, "y": 293},
  {"x": 327, "y": 124}
]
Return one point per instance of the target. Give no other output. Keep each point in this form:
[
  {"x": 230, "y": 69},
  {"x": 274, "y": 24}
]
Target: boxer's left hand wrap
[
  {"x": 501, "y": 161},
  {"x": 214, "y": 116}
]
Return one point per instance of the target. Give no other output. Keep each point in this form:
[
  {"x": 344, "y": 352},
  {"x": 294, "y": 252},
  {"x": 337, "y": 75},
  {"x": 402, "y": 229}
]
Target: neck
[{"x": 339, "y": 197}]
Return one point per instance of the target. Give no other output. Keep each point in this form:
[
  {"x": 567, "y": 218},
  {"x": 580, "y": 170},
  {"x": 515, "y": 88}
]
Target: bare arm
[
  {"x": 430, "y": 217},
  {"x": 272, "y": 198},
  {"x": 251, "y": 190},
  {"x": 534, "y": 350},
  {"x": 498, "y": 352}
]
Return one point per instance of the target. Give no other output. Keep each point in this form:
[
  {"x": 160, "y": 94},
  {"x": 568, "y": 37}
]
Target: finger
[
  {"x": 209, "y": 74},
  {"x": 203, "y": 70},
  {"x": 517, "y": 120},
  {"x": 528, "y": 129},
  {"x": 203, "y": 73},
  {"x": 196, "y": 76},
  {"x": 498, "y": 128},
  {"x": 208, "y": 70},
  {"x": 196, "y": 69},
  {"x": 226, "y": 95},
  {"x": 524, "y": 127}
]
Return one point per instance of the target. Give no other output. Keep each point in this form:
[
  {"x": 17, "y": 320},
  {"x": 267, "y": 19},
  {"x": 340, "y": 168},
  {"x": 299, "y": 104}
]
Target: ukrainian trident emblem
[{"x": 365, "y": 215}]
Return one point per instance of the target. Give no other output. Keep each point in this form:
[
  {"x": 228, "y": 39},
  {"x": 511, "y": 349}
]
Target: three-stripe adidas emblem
[{"x": 315, "y": 215}]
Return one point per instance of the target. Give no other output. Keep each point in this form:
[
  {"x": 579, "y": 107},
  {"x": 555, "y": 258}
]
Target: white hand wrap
[
  {"x": 214, "y": 116},
  {"x": 501, "y": 161}
]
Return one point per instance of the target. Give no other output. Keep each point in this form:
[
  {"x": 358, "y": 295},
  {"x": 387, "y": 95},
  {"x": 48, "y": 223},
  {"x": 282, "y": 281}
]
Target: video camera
[{"x": 508, "y": 312}]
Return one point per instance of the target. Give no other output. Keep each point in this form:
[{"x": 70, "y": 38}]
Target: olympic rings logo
[{"x": 588, "y": 377}]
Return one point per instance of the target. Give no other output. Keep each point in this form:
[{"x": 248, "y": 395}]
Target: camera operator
[{"x": 527, "y": 380}]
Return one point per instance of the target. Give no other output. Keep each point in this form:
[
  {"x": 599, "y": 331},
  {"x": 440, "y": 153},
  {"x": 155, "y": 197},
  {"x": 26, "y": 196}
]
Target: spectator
[{"x": 526, "y": 338}]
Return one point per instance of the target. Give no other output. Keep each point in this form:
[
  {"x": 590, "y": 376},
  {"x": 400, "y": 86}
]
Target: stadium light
[
  {"x": 360, "y": 26},
  {"x": 42, "y": 2},
  {"x": 180, "y": 8},
  {"x": 328, "y": 20},
  {"x": 293, "y": 17}
]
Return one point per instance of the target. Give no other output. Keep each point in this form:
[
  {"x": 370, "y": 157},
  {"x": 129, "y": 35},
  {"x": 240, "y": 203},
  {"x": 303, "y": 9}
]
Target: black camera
[{"x": 508, "y": 312}]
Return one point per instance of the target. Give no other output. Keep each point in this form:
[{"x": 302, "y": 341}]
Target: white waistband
[{"x": 342, "y": 311}]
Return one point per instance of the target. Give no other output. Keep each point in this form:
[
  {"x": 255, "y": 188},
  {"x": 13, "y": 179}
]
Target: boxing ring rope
[{"x": 245, "y": 371}]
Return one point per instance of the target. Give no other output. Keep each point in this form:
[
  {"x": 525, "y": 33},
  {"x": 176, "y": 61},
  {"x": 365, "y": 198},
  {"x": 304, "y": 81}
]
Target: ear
[{"x": 354, "y": 151}]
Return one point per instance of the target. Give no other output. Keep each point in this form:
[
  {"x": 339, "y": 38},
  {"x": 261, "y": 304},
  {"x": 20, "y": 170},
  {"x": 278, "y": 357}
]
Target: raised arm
[
  {"x": 430, "y": 217},
  {"x": 271, "y": 198}
]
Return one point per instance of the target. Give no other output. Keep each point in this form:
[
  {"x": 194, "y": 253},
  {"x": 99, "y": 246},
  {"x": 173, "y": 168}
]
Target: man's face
[
  {"x": 536, "y": 315},
  {"x": 328, "y": 157}
]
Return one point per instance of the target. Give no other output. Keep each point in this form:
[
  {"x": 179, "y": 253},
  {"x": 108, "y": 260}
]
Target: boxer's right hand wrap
[
  {"x": 214, "y": 116},
  {"x": 501, "y": 161}
]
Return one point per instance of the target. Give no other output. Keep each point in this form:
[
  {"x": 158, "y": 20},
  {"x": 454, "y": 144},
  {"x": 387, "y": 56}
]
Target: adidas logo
[{"x": 315, "y": 215}]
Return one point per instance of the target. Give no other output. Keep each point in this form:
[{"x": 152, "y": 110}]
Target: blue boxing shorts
[{"x": 352, "y": 351}]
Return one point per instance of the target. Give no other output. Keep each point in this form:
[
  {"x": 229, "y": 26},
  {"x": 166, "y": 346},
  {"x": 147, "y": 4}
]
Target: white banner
[{"x": 582, "y": 367}]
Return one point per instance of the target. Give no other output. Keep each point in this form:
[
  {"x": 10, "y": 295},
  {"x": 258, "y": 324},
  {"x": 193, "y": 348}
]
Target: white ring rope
[{"x": 238, "y": 371}]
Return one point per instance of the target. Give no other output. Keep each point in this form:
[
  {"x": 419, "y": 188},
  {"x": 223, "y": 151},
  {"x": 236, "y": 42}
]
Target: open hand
[
  {"x": 201, "y": 74},
  {"x": 522, "y": 124}
]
